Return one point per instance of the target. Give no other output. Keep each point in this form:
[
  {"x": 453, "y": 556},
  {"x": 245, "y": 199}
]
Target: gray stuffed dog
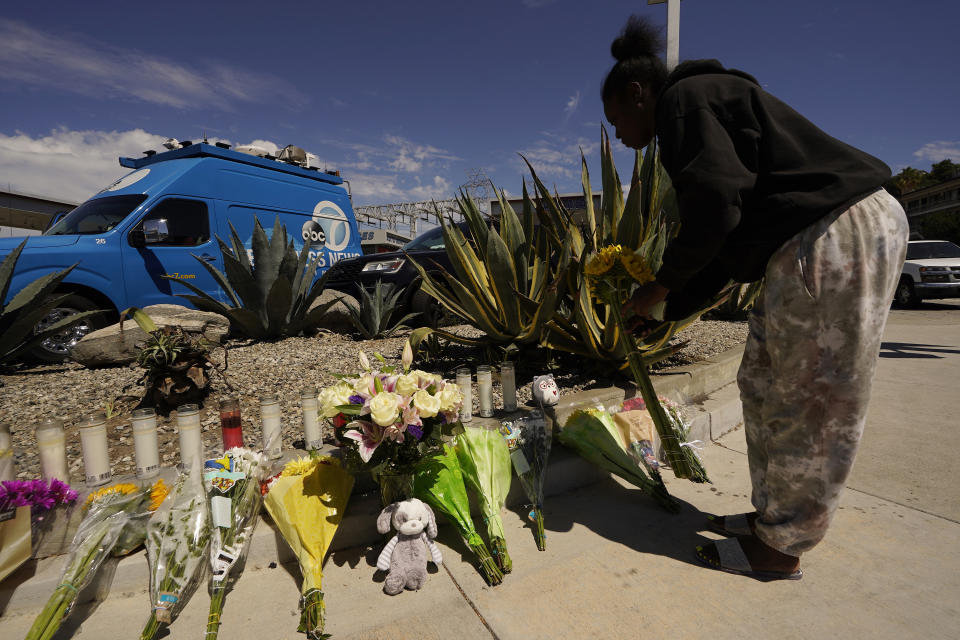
[{"x": 406, "y": 555}]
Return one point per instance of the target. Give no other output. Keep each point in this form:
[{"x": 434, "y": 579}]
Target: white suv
[{"x": 932, "y": 270}]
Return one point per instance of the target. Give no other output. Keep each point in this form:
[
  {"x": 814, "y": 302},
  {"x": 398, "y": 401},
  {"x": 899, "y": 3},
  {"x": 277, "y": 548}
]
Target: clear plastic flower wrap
[{"x": 178, "y": 535}]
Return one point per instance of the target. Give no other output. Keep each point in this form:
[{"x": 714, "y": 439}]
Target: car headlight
[
  {"x": 934, "y": 270},
  {"x": 385, "y": 266}
]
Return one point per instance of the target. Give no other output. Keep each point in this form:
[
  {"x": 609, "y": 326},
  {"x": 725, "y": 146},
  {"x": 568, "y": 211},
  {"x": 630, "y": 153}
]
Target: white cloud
[
  {"x": 558, "y": 158},
  {"x": 69, "y": 63},
  {"x": 939, "y": 150},
  {"x": 69, "y": 165},
  {"x": 572, "y": 103}
]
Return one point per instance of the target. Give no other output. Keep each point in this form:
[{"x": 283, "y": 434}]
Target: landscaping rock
[
  {"x": 108, "y": 346},
  {"x": 337, "y": 317}
]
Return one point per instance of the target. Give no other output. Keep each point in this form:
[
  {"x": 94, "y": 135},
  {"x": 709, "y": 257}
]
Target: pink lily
[{"x": 369, "y": 437}]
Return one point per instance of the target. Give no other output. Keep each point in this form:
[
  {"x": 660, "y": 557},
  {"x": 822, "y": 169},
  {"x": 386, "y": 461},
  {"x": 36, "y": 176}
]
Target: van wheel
[
  {"x": 906, "y": 296},
  {"x": 57, "y": 347},
  {"x": 431, "y": 312}
]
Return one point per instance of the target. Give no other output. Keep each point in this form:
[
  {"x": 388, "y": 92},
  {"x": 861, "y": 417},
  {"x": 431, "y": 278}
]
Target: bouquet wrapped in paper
[
  {"x": 306, "y": 502},
  {"x": 27, "y": 507},
  {"x": 595, "y": 436},
  {"x": 232, "y": 484},
  {"x": 438, "y": 481},
  {"x": 107, "y": 512},
  {"x": 178, "y": 535},
  {"x": 529, "y": 440},
  {"x": 389, "y": 420},
  {"x": 485, "y": 464}
]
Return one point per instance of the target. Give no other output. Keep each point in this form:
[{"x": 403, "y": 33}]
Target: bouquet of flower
[
  {"x": 529, "y": 441},
  {"x": 438, "y": 481},
  {"x": 595, "y": 436},
  {"x": 233, "y": 489},
  {"x": 485, "y": 463},
  {"x": 177, "y": 538},
  {"x": 306, "y": 502},
  {"x": 107, "y": 512},
  {"x": 26, "y": 510},
  {"x": 613, "y": 272},
  {"x": 391, "y": 420}
]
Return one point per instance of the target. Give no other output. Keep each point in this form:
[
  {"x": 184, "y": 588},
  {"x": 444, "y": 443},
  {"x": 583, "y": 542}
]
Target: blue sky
[{"x": 410, "y": 99}]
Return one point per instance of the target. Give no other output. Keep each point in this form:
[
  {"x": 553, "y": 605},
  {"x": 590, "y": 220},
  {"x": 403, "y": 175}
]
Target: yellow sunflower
[
  {"x": 637, "y": 267},
  {"x": 158, "y": 493},
  {"x": 299, "y": 467},
  {"x": 119, "y": 489},
  {"x": 602, "y": 262}
]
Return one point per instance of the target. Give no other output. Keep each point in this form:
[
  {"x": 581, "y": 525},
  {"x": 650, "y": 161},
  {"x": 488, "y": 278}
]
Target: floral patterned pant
[{"x": 809, "y": 363}]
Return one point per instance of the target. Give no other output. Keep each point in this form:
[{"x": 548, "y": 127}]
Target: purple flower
[
  {"x": 62, "y": 491},
  {"x": 415, "y": 431},
  {"x": 356, "y": 399}
]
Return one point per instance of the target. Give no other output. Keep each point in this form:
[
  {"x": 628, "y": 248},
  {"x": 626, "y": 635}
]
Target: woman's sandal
[
  {"x": 730, "y": 526},
  {"x": 734, "y": 560}
]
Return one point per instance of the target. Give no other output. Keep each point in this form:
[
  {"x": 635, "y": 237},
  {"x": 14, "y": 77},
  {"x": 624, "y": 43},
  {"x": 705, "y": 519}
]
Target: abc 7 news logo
[{"x": 313, "y": 233}]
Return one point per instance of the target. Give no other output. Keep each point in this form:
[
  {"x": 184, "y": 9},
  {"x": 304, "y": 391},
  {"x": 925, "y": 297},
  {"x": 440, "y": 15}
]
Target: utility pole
[{"x": 673, "y": 31}]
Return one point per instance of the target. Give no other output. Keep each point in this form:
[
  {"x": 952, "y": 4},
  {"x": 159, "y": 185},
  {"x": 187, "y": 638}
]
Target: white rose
[
  {"x": 427, "y": 405},
  {"x": 384, "y": 408},
  {"x": 407, "y": 384},
  {"x": 363, "y": 384},
  {"x": 332, "y": 397},
  {"x": 426, "y": 379},
  {"x": 450, "y": 397}
]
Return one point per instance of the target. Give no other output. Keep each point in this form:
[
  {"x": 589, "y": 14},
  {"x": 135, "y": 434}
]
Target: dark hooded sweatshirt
[{"x": 749, "y": 172}]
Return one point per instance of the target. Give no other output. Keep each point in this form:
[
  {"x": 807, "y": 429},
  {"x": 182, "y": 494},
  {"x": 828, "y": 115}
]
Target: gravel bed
[{"x": 71, "y": 391}]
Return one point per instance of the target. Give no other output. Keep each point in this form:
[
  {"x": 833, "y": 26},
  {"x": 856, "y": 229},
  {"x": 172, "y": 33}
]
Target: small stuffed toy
[
  {"x": 545, "y": 390},
  {"x": 405, "y": 556}
]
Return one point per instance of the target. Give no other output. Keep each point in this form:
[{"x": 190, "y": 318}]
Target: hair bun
[{"x": 640, "y": 38}]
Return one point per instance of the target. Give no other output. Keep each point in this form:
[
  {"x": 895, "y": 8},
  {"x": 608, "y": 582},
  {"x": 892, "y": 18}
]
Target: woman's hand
[{"x": 637, "y": 309}]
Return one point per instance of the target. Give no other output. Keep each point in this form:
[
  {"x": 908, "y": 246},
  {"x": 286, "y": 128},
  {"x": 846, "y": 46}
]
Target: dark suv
[{"x": 396, "y": 268}]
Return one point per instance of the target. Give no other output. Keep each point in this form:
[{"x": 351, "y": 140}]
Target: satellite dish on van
[
  {"x": 293, "y": 154},
  {"x": 252, "y": 150}
]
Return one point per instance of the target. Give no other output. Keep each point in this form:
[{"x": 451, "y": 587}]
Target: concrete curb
[{"x": 717, "y": 409}]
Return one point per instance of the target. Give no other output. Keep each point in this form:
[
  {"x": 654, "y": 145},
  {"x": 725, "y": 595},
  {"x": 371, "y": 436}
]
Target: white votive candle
[
  {"x": 485, "y": 390},
  {"x": 145, "y": 446},
  {"x": 53, "y": 450},
  {"x": 509, "y": 386},
  {"x": 465, "y": 384},
  {"x": 270, "y": 415},
  {"x": 191, "y": 440},
  {"x": 312, "y": 434},
  {"x": 96, "y": 458}
]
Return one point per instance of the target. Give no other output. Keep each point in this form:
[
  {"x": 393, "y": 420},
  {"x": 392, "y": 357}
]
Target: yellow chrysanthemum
[
  {"x": 122, "y": 489},
  {"x": 603, "y": 261},
  {"x": 158, "y": 493},
  {"x": 637, "y": 267},
  {"x": 298, "y": 467}
]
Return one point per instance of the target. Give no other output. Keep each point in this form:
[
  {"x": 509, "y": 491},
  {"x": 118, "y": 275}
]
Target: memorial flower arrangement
[
  {"x": 389, "y": 419},
  {"x": 27, "y": 509},
  {"x": 529, "y": 440},
  {"x": 306, "y": 501},
  {"x": 178, "y": 535},
  {"x": 613, "y": 272},
  {"x": 232, "y": 484},
  {"x": 107, "y": 512},
  {"x": 438, "y": 481},
  {"x": 593, "y": 434},
  {"x": 485, "y": 464}
]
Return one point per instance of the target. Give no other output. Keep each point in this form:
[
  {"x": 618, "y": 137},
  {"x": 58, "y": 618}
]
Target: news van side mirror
[{"x": 155, "y": 231}]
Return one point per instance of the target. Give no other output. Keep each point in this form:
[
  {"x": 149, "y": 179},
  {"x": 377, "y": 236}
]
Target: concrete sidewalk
[{"x": 616, "y": 566}]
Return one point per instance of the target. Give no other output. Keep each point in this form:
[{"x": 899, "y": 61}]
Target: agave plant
[
  {"x": 176, "y": 365},
  {"x": 741, "y": 300},
  {"x": 19, "y": 317},
  {"x": 506, "y": 280},
  {"x": 270, "y": 297},
  {"x": 371, "y": 317}
]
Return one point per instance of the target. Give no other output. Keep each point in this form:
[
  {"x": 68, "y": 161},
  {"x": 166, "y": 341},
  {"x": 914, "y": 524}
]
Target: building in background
[
  {"x": 23, "y": 214},
  {"x": 934, "y": 211}
]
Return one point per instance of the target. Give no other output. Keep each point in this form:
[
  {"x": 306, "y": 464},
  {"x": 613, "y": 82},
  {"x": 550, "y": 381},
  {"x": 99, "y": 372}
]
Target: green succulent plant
[
  {"x": 372, "y": 316},
  {"x": 270, "y": 297},
  {"x": 506, "y": 281},
  {"x": 19, "y": 316}
]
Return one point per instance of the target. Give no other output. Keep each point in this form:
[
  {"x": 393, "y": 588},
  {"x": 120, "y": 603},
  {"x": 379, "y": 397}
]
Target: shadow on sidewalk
[{"x": 909, "y": 350}]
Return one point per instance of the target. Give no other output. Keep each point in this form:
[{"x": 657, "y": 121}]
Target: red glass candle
[{"x": 230, "y": 425}]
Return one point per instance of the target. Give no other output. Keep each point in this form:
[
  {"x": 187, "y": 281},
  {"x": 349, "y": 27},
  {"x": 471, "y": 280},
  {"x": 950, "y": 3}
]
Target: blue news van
[{"x": 137, "y": 237}]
